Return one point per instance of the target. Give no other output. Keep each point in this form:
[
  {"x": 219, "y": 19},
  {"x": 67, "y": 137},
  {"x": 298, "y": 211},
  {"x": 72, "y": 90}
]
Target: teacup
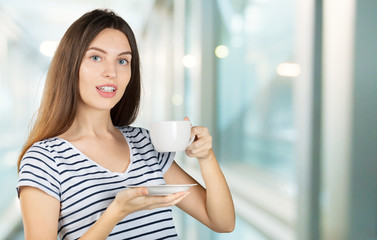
[{"x": 170, "y": 136}]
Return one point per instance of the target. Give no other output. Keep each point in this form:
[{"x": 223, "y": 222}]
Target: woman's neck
[{"x": 90, "y": 123}]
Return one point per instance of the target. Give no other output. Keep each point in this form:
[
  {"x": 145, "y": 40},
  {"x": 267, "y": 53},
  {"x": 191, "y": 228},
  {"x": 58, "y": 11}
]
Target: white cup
[{"x": 170, "y": 136}]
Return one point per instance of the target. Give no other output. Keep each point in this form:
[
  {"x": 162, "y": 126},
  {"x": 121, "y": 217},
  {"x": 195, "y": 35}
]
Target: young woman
[{"x": 82, "y": 152}]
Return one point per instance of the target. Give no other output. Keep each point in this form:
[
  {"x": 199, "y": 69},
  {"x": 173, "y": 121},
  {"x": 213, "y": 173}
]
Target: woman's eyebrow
[
  {"x": 125, "y": 53},
  {"x": 103, "y": 51}
]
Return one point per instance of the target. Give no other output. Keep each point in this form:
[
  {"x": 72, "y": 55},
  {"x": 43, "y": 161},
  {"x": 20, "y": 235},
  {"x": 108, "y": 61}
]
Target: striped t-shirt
[{"x": 85, "y": 189}]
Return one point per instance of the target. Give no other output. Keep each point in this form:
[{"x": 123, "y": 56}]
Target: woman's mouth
[{"x": 107, "y": 91}]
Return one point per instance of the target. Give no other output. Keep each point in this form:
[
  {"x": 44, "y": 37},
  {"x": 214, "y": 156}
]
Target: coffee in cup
[{"x": 170, "y": 136}]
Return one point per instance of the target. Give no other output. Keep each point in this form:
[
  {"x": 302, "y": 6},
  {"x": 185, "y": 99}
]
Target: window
[
  {"x": 243, "y": 91},
  {"x": 255, "y": 73}
]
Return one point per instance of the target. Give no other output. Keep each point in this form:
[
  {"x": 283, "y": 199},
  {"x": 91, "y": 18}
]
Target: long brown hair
[{"x": 59, "y": 102}]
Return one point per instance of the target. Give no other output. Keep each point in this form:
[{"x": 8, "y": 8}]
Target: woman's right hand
[
  {"x": 132, "y": 200},
  {"x": 125, "y": 203}
]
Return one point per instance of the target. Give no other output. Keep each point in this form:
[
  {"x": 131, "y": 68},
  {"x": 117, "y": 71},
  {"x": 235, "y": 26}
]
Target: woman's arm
[
  {"x": 40, "y": 212},
  {"x": 212, "y": 206}
]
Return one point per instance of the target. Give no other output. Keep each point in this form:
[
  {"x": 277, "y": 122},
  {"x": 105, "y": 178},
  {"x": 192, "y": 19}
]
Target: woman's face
[{"x": 105, "y": 70}]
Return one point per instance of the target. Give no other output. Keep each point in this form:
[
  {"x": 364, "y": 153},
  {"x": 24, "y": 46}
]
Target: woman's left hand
[{"x": 201, "y": 148}]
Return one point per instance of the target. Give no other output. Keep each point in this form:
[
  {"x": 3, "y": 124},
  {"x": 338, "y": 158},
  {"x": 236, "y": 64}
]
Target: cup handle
[{"x": 191, "y": 140}]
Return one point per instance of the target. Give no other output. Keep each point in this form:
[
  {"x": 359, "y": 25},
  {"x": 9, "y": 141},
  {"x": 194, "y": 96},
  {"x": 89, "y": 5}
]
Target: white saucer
[{"x": 162, "y": 190}]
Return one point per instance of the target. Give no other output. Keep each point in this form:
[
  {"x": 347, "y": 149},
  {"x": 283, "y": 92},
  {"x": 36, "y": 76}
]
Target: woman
[{"x": 81, "y": 151}]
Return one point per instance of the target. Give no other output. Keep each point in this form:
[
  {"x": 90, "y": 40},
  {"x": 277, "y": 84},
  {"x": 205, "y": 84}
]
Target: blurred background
[{"x": 287, "y": 88}]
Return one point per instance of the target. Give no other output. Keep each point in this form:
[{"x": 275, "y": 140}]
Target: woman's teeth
[{"x": 106, "y": 89}]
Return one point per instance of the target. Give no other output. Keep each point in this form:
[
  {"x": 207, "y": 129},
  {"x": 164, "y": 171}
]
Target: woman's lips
[{"x": 107, "y": 90}]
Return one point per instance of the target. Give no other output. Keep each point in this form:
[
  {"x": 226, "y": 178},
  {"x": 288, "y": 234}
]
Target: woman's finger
[
  {"x": 152, "y": 200},
  {"x": 200, "y": 152},
  {"x": 171, "y": 201},
  {"x": 200, "y": 131},
  {"x": 137, "y": 192},
  {"x": 206, "y": 141},
  {"x": 129, "y": 194}
]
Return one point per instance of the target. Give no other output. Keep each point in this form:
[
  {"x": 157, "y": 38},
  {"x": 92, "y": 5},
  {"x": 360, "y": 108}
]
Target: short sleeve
[
  {"x": 38, "y": 169},
  {"x": 165, "y": 159}
]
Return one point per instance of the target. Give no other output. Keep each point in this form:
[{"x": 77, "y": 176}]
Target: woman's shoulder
[
  {"x": 47, "y": 148},
  {"x": 42, "y": 155},
  {"x": 38, "y": 168},
  {"x": 49, "y": 144}
]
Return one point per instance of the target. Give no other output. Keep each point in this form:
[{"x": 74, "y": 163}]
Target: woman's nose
[{"x": 109, "y": 71}]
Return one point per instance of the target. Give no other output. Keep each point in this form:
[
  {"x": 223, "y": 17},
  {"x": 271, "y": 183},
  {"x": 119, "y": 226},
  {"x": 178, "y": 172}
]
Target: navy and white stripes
[{"x": 85, "y": 189}]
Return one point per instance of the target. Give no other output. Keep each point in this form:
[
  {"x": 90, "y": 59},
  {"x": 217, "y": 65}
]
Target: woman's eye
[
  {"x": 123, "y": 62},
  {"x": 95, "y": 58}
]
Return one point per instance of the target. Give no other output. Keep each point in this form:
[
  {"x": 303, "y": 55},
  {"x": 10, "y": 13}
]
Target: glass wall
[
  {"x": 255, "y": 52},
  {"x": 242, "y": 91}
]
